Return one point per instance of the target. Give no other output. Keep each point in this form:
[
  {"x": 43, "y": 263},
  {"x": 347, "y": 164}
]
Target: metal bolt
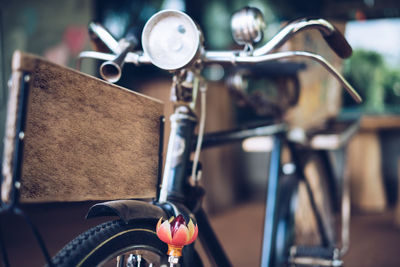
[
  {"x": 288, "y": 168},
  {"x": 21, "y": 135},
  {"x": 27, "y": 78},
  {"x": 17, "y": 185},
  {"x": 173, "y": 260}
]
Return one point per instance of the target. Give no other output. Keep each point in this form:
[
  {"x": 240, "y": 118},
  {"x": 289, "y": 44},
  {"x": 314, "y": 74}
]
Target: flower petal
[
  {"x": 159, "y": 223},
  {"x": 190, "y": 227},
  {"x": 193, "y": 238},
  {"x": 181, "y": 236},
  {"x": 164, "y": 232}
]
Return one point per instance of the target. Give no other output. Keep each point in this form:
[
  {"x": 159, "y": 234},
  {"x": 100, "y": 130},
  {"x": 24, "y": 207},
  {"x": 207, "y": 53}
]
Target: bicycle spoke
[{"x": 120, "y": 261}]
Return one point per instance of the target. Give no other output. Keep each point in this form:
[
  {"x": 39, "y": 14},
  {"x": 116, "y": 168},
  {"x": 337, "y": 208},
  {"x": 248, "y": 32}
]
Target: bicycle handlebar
[
  {"x": 102, "y": 40},
  {"x": 264, "y": 53},
  {"x": 217, "y": 57},
  {"x": 330, "y": 33}
]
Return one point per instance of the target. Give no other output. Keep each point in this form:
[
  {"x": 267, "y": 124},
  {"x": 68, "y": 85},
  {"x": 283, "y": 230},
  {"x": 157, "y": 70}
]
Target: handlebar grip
[{"x": 338, "y": 43}]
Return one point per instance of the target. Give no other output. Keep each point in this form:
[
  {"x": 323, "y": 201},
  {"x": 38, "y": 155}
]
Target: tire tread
[{"x": 79, "y": 247}]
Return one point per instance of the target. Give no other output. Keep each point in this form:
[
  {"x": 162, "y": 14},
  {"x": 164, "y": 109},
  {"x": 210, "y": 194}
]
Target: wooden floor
[{"x": 375, "y": 241}]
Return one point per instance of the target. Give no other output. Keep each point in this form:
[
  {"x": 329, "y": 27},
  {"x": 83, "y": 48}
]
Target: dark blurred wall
[{"x": 53, "y": 29}]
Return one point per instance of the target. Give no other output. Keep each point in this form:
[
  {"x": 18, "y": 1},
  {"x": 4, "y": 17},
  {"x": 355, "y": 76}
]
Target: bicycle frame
[
  {"x": 176, "y": 176},
  {"x": 182, "y": 132},
  {"x": 176, "y": 194},
  {"x": 183, "y": 123}
]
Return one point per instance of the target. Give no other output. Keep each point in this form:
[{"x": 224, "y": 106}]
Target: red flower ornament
[{"x": 177, "y": 234}]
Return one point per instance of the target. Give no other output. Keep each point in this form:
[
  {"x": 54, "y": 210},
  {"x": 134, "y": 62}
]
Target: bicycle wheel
[
  {"x": 116, "y": 243},
  {"x": 320, "y": 188},
  {"x": 285, "y": 224},
  {"x": 296, "y": 223}
]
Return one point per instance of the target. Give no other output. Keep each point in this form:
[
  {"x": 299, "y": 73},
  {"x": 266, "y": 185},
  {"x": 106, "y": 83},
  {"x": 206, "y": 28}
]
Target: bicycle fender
[{"x": 126, "y": 210}]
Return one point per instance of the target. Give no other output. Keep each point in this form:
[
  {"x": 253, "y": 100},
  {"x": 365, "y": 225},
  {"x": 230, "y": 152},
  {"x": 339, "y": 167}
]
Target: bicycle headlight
[{"x": 171, "y": 39}]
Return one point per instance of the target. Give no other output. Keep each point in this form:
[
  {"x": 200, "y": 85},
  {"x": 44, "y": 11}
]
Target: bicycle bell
[
  {"x": 171, "y": 40},
  {"x": 247, "y": 25}
]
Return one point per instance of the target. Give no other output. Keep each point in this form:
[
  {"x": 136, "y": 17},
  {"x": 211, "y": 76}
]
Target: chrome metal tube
[
  {"x": 92, "y": 54},
  {"x": 111, "y": 70},
  {"x": 316, "y": 262},
  {"x": 136, "y": 58},
  {"x": 106, "y": 38},
  {"x": 220, "y": 56},
  {"x": 346, "y": 212},
  {"x": 287, "y": 32}
]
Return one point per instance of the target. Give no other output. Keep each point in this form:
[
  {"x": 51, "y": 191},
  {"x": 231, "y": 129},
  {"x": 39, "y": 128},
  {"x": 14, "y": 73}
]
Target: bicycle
[{"x": 132, "y": 240}]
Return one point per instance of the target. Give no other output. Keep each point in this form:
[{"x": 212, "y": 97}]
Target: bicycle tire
[{"x": 107, "y": 241}]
